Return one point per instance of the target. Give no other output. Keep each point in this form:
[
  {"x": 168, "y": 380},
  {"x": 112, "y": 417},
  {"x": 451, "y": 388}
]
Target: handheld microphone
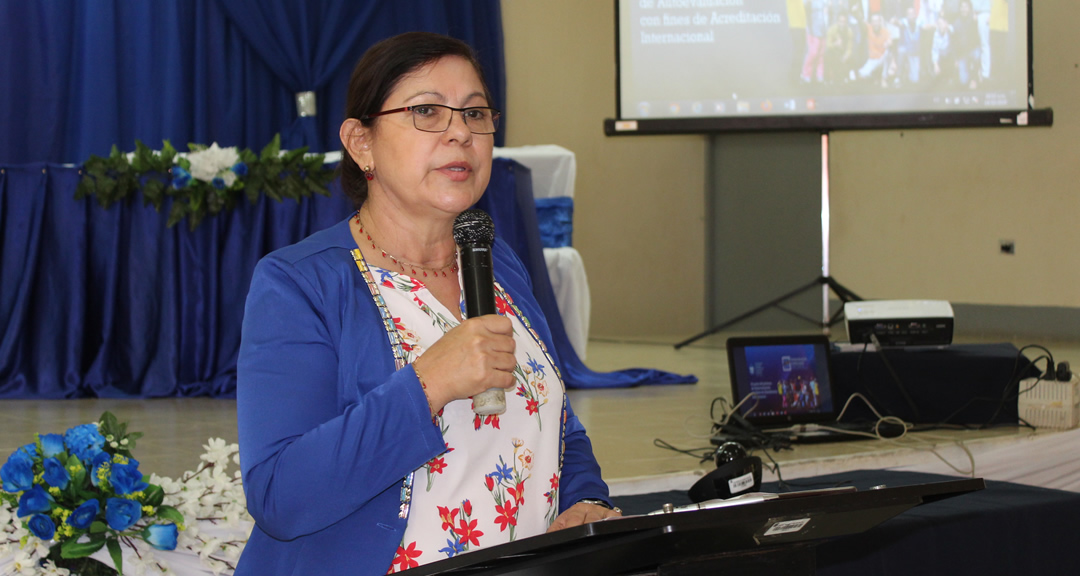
[{"x": 474, "y": 233}]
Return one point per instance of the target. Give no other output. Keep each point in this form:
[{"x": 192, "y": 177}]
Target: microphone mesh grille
[{"x": 474, "y": 227}]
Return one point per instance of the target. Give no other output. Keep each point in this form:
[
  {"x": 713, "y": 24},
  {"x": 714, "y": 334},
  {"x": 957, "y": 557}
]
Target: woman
[{"x": 359, "y": 447}]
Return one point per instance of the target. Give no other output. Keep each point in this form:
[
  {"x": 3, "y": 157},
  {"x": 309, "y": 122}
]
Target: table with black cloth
[
  {"x": 1005, "y": 529},
  {"x": 957, "y": 384}
]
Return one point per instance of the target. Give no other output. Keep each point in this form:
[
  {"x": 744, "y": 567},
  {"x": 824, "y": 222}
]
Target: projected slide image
[
  {"x": 767, "y": 57},
  {"x": 786, "y": 380}
]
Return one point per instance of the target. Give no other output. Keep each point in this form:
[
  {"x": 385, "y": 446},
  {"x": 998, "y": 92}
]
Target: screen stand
[{"x": 827, "y": 282}]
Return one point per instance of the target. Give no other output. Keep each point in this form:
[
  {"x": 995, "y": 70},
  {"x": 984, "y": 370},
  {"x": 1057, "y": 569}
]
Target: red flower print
[
  {"x": 406, "y": 346},
  {"x": 416, "y": 285},
  {"x": 489, "y": 482},
  {"x": 506, "y": 515},
  {"x": 437, "y": 465},
  {"x": 521, "y": 390},
  {"x": 518, "y": 492},
  {"x": 388, "y": 283},
  {"x": 502, "y": 306},
  {"x": 447, "y": 516},
  {"x": 467, "y": 507},
  {"x": 405, "y": 557},
  {"x": 532, "y": 406},
  {"x": 492, "y": 420},
  {"x": 398, "y": 324},
  {"x": 554, "y": 481},
  {"x": 468, "y": 532}
]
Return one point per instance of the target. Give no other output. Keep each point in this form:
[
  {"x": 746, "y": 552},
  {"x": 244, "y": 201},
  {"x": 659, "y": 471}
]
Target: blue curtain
[
  {"x": 110, "y": 303},
  {"x": 82, "y": 76},
  {"x": 99, "y": 303}
]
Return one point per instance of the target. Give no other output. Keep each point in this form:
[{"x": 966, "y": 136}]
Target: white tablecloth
[
  {"x": 553, "y": 171},
  {"x": 553, "y": 168}
]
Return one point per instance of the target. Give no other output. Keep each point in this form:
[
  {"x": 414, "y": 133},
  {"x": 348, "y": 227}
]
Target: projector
[{"x": 900, "y": 322}]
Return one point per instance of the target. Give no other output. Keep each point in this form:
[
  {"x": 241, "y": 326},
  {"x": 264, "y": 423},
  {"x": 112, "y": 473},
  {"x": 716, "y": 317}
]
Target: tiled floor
[{"x": 622, "y": 423}]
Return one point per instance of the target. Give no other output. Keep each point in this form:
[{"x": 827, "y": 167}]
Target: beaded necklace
[{"x": 451, "y": 266}]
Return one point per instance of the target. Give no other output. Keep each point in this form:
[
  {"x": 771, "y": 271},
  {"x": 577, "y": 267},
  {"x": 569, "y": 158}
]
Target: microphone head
[{"x": 474, "y": 227}]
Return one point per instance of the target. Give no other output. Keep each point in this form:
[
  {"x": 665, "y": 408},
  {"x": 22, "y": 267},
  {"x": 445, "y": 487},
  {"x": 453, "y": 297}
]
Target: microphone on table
[{"x": 474, "y": 232}]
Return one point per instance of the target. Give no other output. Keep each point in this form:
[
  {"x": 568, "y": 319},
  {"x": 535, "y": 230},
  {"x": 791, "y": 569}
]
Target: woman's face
[{"x": 432, "y": 173}]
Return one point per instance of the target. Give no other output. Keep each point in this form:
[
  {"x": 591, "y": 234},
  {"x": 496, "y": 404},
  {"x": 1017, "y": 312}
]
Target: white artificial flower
[
  {"x": 217, "y": 450},
  {"x": 52, "y": 570},
  {"x": 26, "y": 562},
  {"x": 207, "y": 164},
  {"x": 141, "y": 563}
]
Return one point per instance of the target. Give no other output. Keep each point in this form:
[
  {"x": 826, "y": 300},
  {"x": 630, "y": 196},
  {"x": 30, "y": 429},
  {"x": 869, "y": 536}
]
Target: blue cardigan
[{"x": 329, "y": 428}]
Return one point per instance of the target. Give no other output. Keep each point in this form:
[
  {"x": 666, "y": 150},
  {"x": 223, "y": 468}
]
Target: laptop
[{"x": 783, "y": 387}]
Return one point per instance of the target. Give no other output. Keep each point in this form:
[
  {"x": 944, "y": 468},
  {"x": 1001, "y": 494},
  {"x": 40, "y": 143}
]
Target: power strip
[{"x": 1049, "y": 403}]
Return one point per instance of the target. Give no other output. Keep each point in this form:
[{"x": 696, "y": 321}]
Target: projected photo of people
[
  {"x": 786, "y": 380},
  {"x": 776, "y": 57},
  {"x": 891, "y": 46}
]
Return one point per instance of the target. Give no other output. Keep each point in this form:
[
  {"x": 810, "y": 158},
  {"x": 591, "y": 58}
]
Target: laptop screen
[{"x": 787, "y": 375}]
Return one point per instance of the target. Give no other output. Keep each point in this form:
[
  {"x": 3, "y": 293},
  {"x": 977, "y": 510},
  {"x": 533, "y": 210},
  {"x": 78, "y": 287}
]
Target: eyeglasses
[{"x": 437, "y": 118}]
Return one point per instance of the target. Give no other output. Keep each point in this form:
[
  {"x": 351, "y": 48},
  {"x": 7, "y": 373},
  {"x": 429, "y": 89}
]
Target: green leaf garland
[{"x": 292, "y": 174}]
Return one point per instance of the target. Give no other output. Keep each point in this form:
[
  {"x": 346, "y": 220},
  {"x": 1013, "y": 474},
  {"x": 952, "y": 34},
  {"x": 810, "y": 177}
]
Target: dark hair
[{"x": 378, "y": 73}]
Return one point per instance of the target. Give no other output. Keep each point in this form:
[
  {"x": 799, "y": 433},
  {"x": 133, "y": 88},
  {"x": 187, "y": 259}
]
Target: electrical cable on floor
[{"x": 896, "y": 377}]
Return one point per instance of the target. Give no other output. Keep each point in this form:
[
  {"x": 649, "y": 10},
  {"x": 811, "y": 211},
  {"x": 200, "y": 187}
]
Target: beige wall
[
  {"x": 639, "y": 202},
  {"x": 916, "y": 214},
  {"x": 920, "y": 213}
]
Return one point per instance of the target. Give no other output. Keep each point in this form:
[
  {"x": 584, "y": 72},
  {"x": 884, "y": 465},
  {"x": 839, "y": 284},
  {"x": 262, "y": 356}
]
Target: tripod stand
[
  {"x": 843, "y": 293},
  {"x": 825, "y": 281}
]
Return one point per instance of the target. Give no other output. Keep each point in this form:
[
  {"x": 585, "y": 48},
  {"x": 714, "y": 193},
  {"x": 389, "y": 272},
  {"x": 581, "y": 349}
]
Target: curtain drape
[
  {"x": 97, "y": 302},
  {"x": 110, "y": 303},
  {"x": 83, "y": 76}
]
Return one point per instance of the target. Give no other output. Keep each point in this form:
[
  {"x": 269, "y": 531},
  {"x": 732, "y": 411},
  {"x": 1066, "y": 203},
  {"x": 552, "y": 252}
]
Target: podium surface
[{"x": 775, "y": 536}]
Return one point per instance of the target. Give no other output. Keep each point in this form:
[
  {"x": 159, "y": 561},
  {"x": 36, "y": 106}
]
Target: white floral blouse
[{"x": 498, "y": 479}]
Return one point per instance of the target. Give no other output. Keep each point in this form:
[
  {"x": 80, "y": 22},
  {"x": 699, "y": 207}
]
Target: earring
[{"x": 368, "y": 173}]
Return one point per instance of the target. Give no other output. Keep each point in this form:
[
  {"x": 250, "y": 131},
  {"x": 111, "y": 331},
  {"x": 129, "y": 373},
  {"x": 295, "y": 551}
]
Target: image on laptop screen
[{"x": 788, "y": 376}]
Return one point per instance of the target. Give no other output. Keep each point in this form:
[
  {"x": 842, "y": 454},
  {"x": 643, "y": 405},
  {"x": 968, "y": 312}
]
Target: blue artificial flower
[
  {"x": 240, "y": 169},
  {"x": 161, "y": 536},
  {"x": 102, "y": 459},
  {"x": 84, "y": 441},
  {"x": 30, "y": 450},
  {"x": 181, "y": 177},
  {"x": 121, "y": 513},
  {"x": 55, "y": 473},
  {"x": 51, "y": 445},
  {"x": 452, "y": 548},
  {"x": 17, "y": 473},
  {"x": 126, "y": 478},
  {"x": 42, "y": 526},
  {"x": 34, "y": 500},
  {"x": 218, "y": 182},
  {"x": 84, "y": 515}
]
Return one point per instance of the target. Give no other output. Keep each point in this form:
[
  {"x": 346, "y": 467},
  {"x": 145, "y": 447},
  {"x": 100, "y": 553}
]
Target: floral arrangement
[
  {"x": 205, "y": 180},
  {"x": 68, "y": 497}
]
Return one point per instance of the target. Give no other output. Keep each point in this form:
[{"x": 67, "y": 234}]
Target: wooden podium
[{"x": 774, "y": 537}]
